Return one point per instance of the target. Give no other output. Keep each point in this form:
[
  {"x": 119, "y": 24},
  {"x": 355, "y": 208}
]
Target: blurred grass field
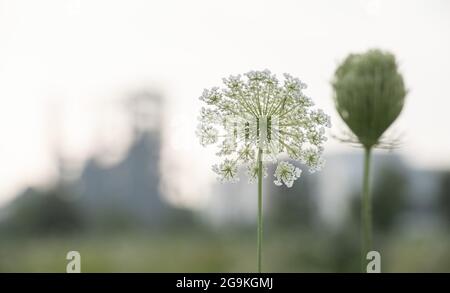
[{"x": 211, "y": 252}]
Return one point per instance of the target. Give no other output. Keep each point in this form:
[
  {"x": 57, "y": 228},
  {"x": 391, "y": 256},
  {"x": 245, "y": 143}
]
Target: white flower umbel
[
  {"x": 227, "y": 171},
  {"x": 257, "y": 116},
  {"x": 255, "y": 119},
  {"x": 286, "y": 173}
]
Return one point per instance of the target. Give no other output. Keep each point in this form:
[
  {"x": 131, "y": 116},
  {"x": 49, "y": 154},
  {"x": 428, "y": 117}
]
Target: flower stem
[
  {"x": 260, "y": 207},
  {"x": 366, "y": 212}
]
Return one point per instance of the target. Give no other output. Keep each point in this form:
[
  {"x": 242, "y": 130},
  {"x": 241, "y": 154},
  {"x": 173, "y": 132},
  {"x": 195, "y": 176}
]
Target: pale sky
[{"x": 77, "y": 58}]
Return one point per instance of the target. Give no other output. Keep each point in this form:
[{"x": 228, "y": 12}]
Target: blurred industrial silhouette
[{"x": 123, "y": 195}]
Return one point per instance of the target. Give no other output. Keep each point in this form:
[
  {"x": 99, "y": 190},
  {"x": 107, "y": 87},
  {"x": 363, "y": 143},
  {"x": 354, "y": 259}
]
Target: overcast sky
[{"x": 64, "y": 63}]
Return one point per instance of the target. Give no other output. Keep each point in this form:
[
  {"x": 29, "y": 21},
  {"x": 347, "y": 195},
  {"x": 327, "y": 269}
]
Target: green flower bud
[{"x": 369, "y": 93}]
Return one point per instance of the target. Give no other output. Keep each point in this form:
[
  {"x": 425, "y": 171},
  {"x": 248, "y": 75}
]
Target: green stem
[
  {"x": 366, "y": 212},
  {"x": 260, "y": 207}
]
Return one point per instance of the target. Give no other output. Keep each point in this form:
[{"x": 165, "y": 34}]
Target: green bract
[{"x": 369, "y": 94}]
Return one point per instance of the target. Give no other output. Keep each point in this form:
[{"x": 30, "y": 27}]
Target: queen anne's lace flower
[
  {"x": 207, "y": 134},
  {"x": 227, "y": 171},
  {"x": 286, "y": 173},
  {"x": 257, "y": 112},
  {"x": 252, "y": 172}
]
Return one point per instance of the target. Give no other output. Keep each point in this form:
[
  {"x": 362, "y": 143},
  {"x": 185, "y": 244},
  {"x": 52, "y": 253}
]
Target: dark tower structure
[{"x": 131, "y": 187}]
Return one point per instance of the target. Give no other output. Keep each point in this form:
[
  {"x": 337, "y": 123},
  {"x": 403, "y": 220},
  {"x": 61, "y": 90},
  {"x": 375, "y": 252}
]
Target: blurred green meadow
[{"x": 299, "y": 251}]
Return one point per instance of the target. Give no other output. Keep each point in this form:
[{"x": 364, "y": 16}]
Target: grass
[{"x": 211, "y": 252}]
